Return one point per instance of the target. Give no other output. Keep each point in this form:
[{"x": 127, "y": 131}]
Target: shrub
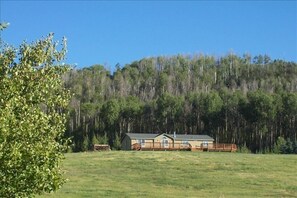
[{"x": 244, "y": 149}]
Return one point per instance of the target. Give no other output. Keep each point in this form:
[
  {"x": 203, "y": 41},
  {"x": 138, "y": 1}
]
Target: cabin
[{"x": 163, "y": 141}]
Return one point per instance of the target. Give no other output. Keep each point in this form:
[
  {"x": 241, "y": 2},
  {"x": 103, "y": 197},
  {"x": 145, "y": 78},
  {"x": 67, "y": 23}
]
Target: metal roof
[
  {"x": 178, "y": 136},
  {"x": 141, "y": 135},
  {"x": 192, "y": 137}
]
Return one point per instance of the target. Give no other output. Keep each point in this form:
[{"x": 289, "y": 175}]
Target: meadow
[{"x": 178, "y": 174}]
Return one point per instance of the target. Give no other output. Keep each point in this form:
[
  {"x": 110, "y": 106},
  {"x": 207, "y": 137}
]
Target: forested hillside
[{"x": 249, "y": 101}]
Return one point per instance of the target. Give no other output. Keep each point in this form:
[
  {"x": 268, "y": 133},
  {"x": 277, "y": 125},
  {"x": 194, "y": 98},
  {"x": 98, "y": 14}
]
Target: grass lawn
[{"x": 178, "y": 174}]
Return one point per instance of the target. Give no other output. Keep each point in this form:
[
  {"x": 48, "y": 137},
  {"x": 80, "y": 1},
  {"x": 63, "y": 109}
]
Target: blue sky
[{"x": 102, "y": 32}]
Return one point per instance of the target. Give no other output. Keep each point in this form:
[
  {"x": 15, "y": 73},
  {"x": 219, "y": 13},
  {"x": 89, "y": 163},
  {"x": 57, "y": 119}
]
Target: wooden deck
[
  {"x": 221, "y": 148},
  {"x": 161, "y": 147},
  {"x": 184, "y": 147}
]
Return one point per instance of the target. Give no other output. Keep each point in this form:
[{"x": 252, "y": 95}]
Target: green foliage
[
  {"x": 279, "y": 145},
  {"x": 288, "y": 147},
  {"x": 260, "y": 106},
  {"x": 117, "y": 143},
  {"x": 283, "y": 146},
  {"x": 111, "y": 111},
  {"x": 242, "y": 100},
  {"x": 131, "y": 107},
  {"x": 103, "y": 139},
  {"x": 212, "y": 103},
  {"x": 168, "y": 109},
  {"x": 32, "y": 118},
  {"x": 244, "y": 149},
  {"x": 95, "y": 140},
  {"x": 85, "y": 144},
  {"x": 295, "y": 147}
]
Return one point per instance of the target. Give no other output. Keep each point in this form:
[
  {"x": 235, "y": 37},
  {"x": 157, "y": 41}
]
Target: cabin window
[
  {"x": 141, "y": 142},
  {"x": 204, "y": 144},
  {"x": 185, "y": 143}
]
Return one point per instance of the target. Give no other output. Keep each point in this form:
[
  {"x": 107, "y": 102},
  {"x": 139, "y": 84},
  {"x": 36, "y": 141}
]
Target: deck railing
[
  {"x": 220, "y": 147},
  {"x": 158, "y": 145},
  {"x": 181, "y": 146}
]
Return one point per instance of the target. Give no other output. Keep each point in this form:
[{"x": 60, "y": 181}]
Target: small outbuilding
[{"x": 163, "y": 141}]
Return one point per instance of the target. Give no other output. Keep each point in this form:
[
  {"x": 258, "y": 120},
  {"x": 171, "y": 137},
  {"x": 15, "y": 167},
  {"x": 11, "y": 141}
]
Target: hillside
[
  {"x": 249, "y": 101},
  {"x": 178, "y": 174}
]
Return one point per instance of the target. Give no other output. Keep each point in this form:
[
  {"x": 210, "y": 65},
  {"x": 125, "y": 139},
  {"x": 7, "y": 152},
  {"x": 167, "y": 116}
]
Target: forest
[{"x": 249, "y": 101}]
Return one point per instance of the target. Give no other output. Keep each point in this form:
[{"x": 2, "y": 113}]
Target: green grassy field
[{"x": 178, "y": 174}]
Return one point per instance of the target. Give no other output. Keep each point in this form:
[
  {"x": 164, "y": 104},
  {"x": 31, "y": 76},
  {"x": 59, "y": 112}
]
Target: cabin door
[{"x": 165, "y": 142}]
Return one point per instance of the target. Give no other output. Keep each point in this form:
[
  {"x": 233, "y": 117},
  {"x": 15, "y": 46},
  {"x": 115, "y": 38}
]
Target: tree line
[{"x": 249, "y": 101}]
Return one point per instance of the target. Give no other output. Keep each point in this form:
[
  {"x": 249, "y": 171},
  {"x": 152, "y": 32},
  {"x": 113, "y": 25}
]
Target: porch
[{"x": 157, "y": 146}]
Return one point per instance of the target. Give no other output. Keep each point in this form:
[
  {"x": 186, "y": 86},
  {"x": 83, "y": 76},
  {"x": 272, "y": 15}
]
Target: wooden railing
[
  {"x": 180, "y": 146},
  {"x": 221, "y": 147},
  {"x": 158, "y": 145}
]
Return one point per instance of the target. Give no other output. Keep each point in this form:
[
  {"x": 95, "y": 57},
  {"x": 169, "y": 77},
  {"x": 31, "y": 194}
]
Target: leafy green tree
[
  {"x": 290, "y": 114},
  {"x": 131, "y": 110},
  {"x": 110, "y": 113},
  {"x": 168, "y": 109},
  {"x": 32, "y": 118},
  {"x": 212, "y": 106},
  {"x": 261, "y": 110}
]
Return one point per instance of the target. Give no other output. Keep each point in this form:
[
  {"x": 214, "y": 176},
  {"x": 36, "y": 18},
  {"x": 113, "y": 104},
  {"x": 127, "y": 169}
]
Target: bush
[
  {"x": 295, "y": 147},
  {"x": 279, "y": 146},
  {"x": 244, "y": 149},
  {"x": 283, "y": 146},
  {"x": 288, "y": 147}
]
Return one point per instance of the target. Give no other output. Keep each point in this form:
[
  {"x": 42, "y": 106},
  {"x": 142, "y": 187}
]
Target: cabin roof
[
  {"x": 193, "y": 137},
  {"x": 177, "y": 136},
  {"x": 141, "y": 135}
]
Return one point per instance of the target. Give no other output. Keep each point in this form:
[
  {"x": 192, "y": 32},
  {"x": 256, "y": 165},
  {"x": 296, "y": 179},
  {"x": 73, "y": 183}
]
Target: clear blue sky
[{"x": 101, "y": 32}]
